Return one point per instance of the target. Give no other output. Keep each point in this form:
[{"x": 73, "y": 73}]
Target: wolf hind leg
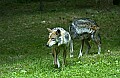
[
  {"x": 88, "y": 46},
  {"x": 64, "y": 56},
  {"x": 98, "y": 42}
]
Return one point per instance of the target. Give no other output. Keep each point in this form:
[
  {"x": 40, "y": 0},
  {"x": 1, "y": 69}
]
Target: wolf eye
[{"x": 53, "y": 39}]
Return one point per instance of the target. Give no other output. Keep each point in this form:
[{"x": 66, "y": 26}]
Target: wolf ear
[
  {"x": 49, "y": 30},
  {"x": 58, "y": 32}
]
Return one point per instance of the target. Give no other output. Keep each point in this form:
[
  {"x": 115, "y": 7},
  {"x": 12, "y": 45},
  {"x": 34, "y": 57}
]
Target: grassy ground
[{"x": 23, "y": 37}]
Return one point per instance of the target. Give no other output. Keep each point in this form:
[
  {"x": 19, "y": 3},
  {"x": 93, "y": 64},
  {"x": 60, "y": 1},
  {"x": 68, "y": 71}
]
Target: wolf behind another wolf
[{"x": 85, "y": 29}]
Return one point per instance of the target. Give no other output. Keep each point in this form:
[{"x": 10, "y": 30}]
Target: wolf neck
[
  {"x": 64, "y": 38},
  {"x": 61, "y": 40}
]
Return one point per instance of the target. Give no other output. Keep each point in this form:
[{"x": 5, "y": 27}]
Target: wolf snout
[{"x": 47, "y": 45}]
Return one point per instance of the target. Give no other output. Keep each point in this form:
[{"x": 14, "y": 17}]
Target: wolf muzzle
[{"x": 47, "y": 45}]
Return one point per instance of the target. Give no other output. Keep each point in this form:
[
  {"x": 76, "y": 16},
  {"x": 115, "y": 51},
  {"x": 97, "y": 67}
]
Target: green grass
[{"x": 23, "y": 37}]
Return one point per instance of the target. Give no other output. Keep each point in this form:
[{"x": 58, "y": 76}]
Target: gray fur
[
  {"x": 85, "y": 29},
  {"x": 61, "y": 40}
]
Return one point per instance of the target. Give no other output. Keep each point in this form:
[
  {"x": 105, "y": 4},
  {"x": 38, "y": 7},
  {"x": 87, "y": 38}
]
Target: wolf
[
  {"x": 59, "y": 39},
  {"x": 85, "y": 29}
]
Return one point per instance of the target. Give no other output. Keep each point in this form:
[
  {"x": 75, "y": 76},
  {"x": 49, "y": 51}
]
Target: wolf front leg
[
  {"x": 71, "y": 48},
  {"x": 99, "y": 48},
  {"x": 55, "y": 56},
  {"x": 81, "y": 48}
]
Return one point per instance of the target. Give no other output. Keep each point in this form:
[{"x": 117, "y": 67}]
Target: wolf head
[{"x": 53, "y": 37}]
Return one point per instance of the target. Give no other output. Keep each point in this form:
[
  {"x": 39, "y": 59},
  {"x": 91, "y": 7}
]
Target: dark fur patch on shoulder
[{"x": 67, "y": 36}]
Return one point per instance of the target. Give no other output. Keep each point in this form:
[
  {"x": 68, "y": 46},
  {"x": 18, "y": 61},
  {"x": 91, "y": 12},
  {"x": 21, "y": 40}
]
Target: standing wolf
[
  {"x": 85, "y": 29},
  {"x": 59, "y": 39}
]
